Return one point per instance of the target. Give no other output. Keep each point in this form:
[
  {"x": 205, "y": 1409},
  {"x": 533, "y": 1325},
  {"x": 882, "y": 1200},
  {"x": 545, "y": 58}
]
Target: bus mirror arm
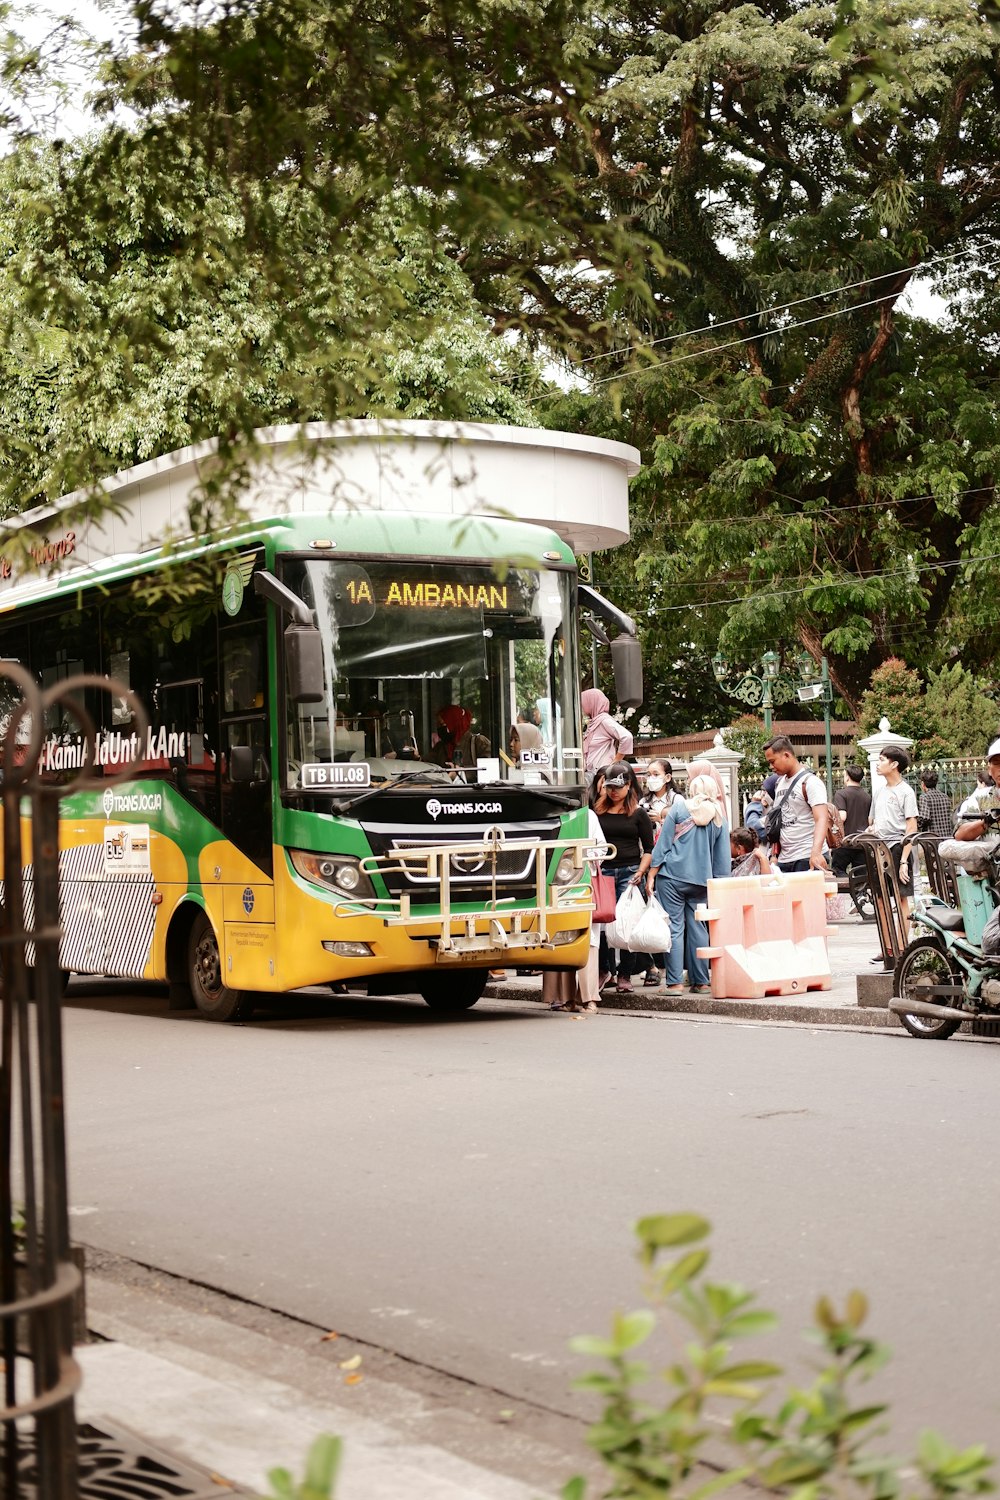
[
  {"x": 626, "y": 652},
  {"x": 607, "y": 611},
  {"x": 290, "y": 604}
]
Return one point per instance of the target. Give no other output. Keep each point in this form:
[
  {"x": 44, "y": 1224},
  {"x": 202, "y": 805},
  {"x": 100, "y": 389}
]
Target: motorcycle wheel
[
  {"x": 860, "y": 893},
  {"x": 921, "y": 964}
]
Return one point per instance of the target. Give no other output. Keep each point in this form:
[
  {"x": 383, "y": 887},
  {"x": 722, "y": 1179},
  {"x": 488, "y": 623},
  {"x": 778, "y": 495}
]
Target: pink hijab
[{"x": 604, "y": 738}]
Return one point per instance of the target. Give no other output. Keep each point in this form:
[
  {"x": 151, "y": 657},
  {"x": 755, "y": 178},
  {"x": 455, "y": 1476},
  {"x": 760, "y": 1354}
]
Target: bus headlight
[
  {"x": 572, "y": 935},
  {"x": 335, "y": 872},
  {"x": 567, "y": 870}
]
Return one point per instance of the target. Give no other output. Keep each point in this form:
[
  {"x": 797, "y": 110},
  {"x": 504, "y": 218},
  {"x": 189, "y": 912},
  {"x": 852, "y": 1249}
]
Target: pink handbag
[{"x": 603, "y": 887}]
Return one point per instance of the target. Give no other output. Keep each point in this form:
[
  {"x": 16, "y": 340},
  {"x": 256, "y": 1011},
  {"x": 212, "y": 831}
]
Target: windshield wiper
[{"x": 343, "y": 804}]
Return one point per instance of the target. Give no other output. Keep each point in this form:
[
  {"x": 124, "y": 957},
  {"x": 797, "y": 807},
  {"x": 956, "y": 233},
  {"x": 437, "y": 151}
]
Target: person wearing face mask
[
  {"x": 658, "y": 799},
  {"x": 626, "y": 825}
]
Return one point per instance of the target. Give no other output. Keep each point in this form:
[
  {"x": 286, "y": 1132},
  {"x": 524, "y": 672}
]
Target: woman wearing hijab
[
  {"x": 604, "y": 740},
  {"x": 691, "y": 849},
  {"x": 525, "y": 736}
]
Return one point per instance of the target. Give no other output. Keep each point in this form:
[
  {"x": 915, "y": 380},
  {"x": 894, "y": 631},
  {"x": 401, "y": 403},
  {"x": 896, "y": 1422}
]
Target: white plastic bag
[
  {"x": 629, "y": 909},
  {"x": 651, "y": 933}
]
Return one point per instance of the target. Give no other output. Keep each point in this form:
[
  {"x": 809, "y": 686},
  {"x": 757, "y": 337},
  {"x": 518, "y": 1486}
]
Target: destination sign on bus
[
  {"x": 337, "y": 773},
  {"x": 427, "y": 593}
]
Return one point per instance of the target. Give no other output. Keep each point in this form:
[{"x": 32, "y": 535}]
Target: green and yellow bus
[{"x": 332, "y": 786}]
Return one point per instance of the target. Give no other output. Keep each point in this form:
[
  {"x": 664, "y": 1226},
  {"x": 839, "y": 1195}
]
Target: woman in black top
[{"x": 627, "y": 826}]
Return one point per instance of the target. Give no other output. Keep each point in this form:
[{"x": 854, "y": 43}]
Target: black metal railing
[{"x": 38, "y": 1279}]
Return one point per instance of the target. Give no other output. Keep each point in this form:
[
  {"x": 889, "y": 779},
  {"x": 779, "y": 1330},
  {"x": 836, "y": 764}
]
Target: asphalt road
[{"x": 462, "y": 1191}]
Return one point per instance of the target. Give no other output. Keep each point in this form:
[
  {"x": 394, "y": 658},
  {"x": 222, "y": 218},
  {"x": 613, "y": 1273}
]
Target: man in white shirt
[
  {"x": 804, "y": 808},
  {"x": 894, "y": 817}
]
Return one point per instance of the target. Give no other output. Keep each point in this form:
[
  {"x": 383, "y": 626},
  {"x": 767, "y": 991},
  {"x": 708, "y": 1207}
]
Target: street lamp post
[
  {"x": 814, "y": 688},
  {"x": 757, "y": 691}
]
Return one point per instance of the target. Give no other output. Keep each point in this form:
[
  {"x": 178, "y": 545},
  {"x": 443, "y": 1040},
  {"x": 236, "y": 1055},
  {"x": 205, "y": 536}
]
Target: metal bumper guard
[{"x": 523, "y": 927}]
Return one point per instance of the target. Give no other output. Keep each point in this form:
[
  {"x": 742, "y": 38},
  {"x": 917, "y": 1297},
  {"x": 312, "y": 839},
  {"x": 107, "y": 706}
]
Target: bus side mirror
[
  {"x": 304, "y": 664},
  {"x": 241, "y": 763},
  {"x": 626, "y": 658}
]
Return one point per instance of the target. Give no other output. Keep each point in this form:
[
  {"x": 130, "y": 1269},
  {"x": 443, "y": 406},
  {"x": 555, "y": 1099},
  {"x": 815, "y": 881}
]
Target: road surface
[{"x": 461, "y": 1191}]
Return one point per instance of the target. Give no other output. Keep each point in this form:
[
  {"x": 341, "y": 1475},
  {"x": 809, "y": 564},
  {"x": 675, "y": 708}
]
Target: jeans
[
  {"x": 626, "y": 961},
  {"x": 793, "y": 866},
  {"x": 679, "y": 900}
]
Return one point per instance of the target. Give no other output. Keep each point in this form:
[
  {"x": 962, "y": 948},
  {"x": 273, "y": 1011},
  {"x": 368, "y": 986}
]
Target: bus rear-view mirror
[
  {"x": 241, "y": 763},
  {"x": 304, "y": 664},
  {"x": 626, "y": 658}
]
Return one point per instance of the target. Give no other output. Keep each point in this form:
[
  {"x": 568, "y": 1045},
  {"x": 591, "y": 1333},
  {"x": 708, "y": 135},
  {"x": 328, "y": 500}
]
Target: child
[{"x": 748, "y": 856}]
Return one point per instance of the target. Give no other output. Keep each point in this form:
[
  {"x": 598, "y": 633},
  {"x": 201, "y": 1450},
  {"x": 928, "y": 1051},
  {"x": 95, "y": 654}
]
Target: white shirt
[
  {"x": 798, "y": 826},
  {"x": 892, "y": 806}
]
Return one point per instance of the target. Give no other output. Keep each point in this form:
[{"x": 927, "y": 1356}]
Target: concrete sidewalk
[
  {"x": 233, "y": 1403},
  {"x": 852, "y": 948}
]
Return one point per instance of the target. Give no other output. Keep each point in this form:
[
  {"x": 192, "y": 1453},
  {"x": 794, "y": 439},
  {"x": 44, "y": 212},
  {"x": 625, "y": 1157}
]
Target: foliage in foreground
[
  {"x": 812, "y": 1443},
  {"x": 320, "y": 1479}
]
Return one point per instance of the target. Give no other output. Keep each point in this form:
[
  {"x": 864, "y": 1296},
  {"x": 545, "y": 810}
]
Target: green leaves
[
  {"x": 814, "y": 1444},
  {"x": 319, "y": 1483}
]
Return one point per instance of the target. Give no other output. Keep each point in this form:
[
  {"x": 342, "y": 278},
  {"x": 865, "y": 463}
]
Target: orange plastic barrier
[{"x": 767, "y": 934}]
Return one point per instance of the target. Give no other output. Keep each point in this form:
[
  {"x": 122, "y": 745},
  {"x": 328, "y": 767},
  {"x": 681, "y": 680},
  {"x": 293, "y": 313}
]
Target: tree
[
  {"x": 966, "y": 720},
  {"x": 820, "y": 462},
  {"x": 897, "y": 693},
  {"x": 244, "y": 241},
  {"x": 748, "y": 735}
]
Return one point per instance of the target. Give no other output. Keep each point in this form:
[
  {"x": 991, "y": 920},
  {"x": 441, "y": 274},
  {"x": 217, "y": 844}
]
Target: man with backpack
[{"x": 798, "y": 820}]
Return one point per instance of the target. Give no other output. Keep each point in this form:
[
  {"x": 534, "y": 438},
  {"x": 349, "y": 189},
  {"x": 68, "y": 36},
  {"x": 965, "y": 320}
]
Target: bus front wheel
[
  {"x": 213, "y": 997},
  {"x": 457, "y": 990}
]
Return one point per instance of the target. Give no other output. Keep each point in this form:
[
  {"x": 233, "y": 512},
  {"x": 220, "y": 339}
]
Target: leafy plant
[
  {"x": 748, "y": 735},
  {"x": 813, "y": 1443},
  {"x": 322, "y": 1466}
]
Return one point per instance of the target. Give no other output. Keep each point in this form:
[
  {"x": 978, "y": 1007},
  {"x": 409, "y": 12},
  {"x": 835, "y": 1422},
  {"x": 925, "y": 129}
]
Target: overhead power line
[
  {"x": 764, "y": 312},
  {"x": 709, "y": 349},
  {"x": 962, "y": 562}
]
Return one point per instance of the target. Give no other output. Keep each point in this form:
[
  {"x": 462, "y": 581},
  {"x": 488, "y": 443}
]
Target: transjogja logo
[
  {"x": 469, "y": 809},
  {"x": 123, "y": 802}
]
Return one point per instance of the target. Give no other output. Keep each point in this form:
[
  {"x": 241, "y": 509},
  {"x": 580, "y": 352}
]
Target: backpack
[{"x": 772, "y": 823}]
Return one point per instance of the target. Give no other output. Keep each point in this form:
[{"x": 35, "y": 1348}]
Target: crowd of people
[{"x": 669, "y": 842}]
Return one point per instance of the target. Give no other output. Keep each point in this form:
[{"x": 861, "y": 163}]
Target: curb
[{"x": 773, "y": 1009}]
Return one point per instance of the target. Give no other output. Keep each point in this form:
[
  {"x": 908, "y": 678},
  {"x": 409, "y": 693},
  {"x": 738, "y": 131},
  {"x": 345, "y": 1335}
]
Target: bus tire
[
  {"x": 457, "y": 990},
  {"x": 212, "y": 996}
]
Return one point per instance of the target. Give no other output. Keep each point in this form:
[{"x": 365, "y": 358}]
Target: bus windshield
[{"x": 438, "y": 672}]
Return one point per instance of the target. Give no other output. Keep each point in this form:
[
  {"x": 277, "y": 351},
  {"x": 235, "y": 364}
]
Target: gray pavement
[
  {"x": 230, "y": 1401},
  {"x": 219, "y": 1398},
  {"x": 852, "y": 947}
]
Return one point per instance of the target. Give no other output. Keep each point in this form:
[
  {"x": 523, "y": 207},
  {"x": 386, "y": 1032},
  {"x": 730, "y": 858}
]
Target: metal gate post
[
  {"x": 38, "y": 1280},
  {"x": 886, "y": 894}
]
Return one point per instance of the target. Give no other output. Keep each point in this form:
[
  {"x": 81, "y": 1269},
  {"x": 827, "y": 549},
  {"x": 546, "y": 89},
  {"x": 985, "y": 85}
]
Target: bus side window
[{"x": 245, "y": 736}]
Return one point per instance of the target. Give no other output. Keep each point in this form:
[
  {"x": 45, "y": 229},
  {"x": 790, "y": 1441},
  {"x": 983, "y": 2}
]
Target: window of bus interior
[
  {"x": 427, "y": 664},
  {"x": 245, "y": 731},
  {"x": 166, "y": 654},
  {"x": 61, "y": 645},
  {"x": 13, "y": 649}
]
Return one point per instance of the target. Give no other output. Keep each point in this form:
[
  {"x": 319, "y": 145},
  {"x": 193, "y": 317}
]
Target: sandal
[
  {"x": 624, "y": 987},
  {"x": 701, "y": 989},
  {"x": 652, "y": 979}
]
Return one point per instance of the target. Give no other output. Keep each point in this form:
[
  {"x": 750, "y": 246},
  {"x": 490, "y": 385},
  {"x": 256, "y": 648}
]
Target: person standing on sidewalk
[
  {"x": 692, "y": 848},
  {"x": 894, "y": 818},
  {"x": 852, "y": 805},
  {"x": 660, "y": 793},
  {"x": 804, "y": 808},
  {"x": 604, "y": 739},
  {"x": 626, "y": 825},
  {"x": 934, "y": 812}
]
